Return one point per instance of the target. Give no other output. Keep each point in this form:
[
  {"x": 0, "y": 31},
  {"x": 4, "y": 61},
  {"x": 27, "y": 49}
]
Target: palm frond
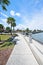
[
  {"x": 6, "y": 2},
  {"x": 4, "y": 8}
]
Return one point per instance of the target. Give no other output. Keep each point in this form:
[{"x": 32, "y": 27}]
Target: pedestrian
[{"x": 30, "y": 37}]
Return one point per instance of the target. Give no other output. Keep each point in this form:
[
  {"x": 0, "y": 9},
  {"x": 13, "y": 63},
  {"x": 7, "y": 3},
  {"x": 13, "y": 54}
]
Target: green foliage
[
  {"x": 13, "y": 24},
  {"x": 4, "y": 8},
  {"x": 1, "y": 28},
  {"x": 6, "y": 44},
  {"x": 11, "y": 21},
  {"x": 27, "y": 30},
  {"x": 10, "y": 43},
  {"x": 3, "y": 45},
  {"x": 8, "y": 29},
  {"x": 0, "y": 38},
  {"x": 15, "y": 35},
  {"x": 3, "y": 3},
  {"x": 6, "y": 2},
  {"x": 10, "y": 39}
]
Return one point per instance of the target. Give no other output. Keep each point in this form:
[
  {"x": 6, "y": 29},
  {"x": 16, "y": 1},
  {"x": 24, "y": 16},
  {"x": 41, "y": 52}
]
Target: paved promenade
[
  {"x": 21, "y": 54},
  {"x": 37, "y": 49}
]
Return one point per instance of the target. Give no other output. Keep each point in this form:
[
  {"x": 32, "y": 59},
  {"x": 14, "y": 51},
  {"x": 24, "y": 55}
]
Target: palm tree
[
  {"x": 10, "y": 20},
  {"x": 1, "y": 28},
  {"x": 13, "y": 25},
  {"x": 3, "y": 4}
]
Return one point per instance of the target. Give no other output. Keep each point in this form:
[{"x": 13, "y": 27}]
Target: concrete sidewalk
[
  {"x": 21, "y": 54},
  {"x": 37, "y": 49}
]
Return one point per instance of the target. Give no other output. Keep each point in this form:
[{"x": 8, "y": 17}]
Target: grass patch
[
  {"x": 4, "y": 37},
  {"x": 6, "y": 45}
]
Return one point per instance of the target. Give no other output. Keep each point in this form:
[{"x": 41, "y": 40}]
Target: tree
[
  {"x": 1, "y": 28},
  {"x": 3, "y": 4},
  {"x": 27, "y": 30},
  {"x": 34, "y": 31},
  {"x": 8, "y": 29},
  {"x": 10, "y": 20},
  {"x": 13, "y": 25}
]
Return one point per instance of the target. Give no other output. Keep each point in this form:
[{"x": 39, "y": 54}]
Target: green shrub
[
  {"x": 10, "y": 43},
  {"x": 10, "y": 39},
  {"x": 15, "y": 35},
  {"x": 4, "y": 45},
  {"x": 0, "y": 38}
]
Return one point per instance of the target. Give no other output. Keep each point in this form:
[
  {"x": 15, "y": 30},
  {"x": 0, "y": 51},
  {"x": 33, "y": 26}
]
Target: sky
[{"x": 27, "y": 13}]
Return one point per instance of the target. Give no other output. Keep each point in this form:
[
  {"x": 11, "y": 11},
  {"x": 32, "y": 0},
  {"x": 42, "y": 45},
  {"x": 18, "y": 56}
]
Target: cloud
[
  {"x": 4, "y": 22},
  {"x": 3, "y": 14},
  {"x": 12, "y": 13},
  {"x": 36, "y": 22},
  {"x": 20, "y": 26},
  {"x": 18, "y": 14}
]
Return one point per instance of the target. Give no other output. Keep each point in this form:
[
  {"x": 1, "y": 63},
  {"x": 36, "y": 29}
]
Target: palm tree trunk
[{"x": 11, "y": 29}]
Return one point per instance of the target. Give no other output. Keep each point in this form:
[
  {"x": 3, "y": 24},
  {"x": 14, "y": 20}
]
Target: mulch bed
[{"x": 4, "y": 55}]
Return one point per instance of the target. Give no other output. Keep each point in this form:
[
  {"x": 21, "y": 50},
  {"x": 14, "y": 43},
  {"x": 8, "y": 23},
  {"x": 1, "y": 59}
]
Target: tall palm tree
[
  {"x": 3, "y": 4},
  {"x": 10, "y": 20},
  {"x": 1, "y": 28},
  {"x": 13, "y": 25}
]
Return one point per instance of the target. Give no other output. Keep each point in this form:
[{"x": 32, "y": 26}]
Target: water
[{"x": 38, "y": 37}]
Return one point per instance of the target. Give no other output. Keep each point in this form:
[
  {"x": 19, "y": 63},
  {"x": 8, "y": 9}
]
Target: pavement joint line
[
  {"x": 33, "y": 52},
  {"x": 37, "y": 47},
  {"x": 39, "y": 50}
]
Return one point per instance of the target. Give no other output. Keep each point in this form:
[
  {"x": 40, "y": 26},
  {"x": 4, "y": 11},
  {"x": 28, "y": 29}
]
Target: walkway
[
  {"x": 37, "y": 49},
  {"x": 21, "y": 54}
]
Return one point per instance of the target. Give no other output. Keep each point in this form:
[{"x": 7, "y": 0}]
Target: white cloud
[
  {"x": 36, "y": 22},
  {"x": 20, "y": 26},
  {"x": 12, "y": 13},
  {"x": 4, "y": 22},
  {"x": 18, "y": 14},
  {"x": 3, "y": 14}
]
